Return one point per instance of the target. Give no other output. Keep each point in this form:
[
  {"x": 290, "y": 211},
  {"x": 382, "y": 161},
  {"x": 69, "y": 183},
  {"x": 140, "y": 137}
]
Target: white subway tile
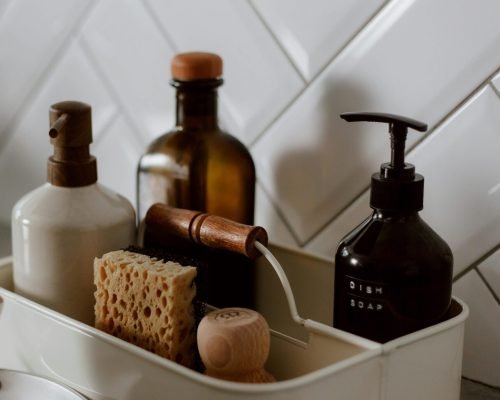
[
  {"x": 462, "y": 183},
  {"x": 135, "y": 59},
  {"x": 259, "y": 80},
  {"x": 404, "y": 62},
  {"x": 23, "y": 160},
  {"x": 267, "y": 217},
  {"x": 334, "y": 22},
  {"x": 490, "y": 268},
  {"x": 481, "y": 360},
  {"x": 31, "y": 33},
  {"x": 118, "y": 154}
]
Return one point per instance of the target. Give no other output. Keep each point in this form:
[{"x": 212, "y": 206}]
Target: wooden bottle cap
[
  {"x": 234, "y": 345},
  {"x": 196, "y": 66}
]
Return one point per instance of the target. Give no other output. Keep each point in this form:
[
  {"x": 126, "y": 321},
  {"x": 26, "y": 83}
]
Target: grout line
[
  {"x": 336, "y": 216},
  {"x": 278, "y": 116},
  {"x": 497, "y": 91},
  {"x": 164, "y": 33},
  {"x": 316, "y": 76},
  {"x": 122, "y": 110},
  {"x": 490, "y": 288},
  {"x": 455, "y": 110},
  {"x": 277, "y": 41},
  {"x": 348, "y": 42},
  {"x": 486, "y": 385},
  {"x": 280, "y": 215},
  {"x": 474, "y": 266},
  {"x": 29, "y": 99},
  {"x": 106, "y": 128}
]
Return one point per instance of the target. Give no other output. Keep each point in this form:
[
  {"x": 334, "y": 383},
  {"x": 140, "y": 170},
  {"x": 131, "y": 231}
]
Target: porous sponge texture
[{"x": 147, "y": 302}]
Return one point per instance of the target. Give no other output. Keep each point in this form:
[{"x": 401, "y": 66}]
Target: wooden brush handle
[{"x": 208, "y": 230}]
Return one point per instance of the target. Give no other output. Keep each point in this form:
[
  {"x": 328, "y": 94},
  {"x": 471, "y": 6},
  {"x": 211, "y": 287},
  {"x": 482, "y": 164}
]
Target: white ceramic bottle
[{"x": 59, "y": 228}]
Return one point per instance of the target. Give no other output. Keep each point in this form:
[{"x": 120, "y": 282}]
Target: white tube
[{"x": 284, "y": 282}]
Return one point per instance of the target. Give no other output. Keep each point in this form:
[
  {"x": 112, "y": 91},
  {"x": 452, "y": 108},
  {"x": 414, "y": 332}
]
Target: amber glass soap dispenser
[
  {"x": 59, "y": 228},
  {"x": 393, "y": 273}
]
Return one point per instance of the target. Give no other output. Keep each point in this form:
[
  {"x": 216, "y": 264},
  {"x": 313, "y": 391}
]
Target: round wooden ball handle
[{"x": 234, "y": 345}]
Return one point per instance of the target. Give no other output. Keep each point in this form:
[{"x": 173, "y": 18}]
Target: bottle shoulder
[
  {"x": 184, "y": 147},
  {"x": 83, "y": 206},
  {"x": 392, "y": 240}
]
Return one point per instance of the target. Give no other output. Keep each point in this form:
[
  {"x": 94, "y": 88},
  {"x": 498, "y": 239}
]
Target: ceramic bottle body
[{"x": 56, "y": 233}]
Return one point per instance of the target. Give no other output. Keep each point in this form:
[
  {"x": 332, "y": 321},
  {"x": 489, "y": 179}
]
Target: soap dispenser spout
[
  {"x": 58, "y": 126},
  {"x": 398, "y": 129}
]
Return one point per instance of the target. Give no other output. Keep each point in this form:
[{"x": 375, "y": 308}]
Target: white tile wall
[
  {"x": 290, "y": 68},
  {"x": 119, "y": 172},
  {"x": 482, "y": 330},
  {"x": 335, "y": 23},
  {"x": 129, "y": 51},
  {"x": 31, "y": 34}
]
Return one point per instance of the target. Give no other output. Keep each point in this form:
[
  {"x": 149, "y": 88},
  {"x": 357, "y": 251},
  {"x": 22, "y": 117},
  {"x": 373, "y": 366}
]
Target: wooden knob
[
  {"x": 208, "y": 230},
  {"x": 234, "y": 345}
]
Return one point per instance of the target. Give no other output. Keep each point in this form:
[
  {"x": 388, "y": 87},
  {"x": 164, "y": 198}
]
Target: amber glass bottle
[{"x": 197, "y": 166}]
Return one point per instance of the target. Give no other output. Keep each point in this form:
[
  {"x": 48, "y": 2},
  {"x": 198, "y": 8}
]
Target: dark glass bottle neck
[
  {"x": 386, "y": 214},
  {"x": 196, "y": 104}
]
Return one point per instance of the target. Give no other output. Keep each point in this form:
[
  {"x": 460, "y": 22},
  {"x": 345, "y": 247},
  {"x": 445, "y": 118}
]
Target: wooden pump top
[
  {"x": 70, "y": 133},
  {"x": 196, "y": 66}
]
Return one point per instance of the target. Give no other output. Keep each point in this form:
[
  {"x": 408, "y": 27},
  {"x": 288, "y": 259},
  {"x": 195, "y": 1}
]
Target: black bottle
[{"x": 393, "y": 273}]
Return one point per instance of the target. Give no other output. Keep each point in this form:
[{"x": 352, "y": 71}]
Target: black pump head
[{"x": 396, "y": 187}]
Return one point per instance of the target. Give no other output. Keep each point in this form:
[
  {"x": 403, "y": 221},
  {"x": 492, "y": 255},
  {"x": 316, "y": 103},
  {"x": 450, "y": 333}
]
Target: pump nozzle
[
  {"x": 396, "y": 186},
  {"x": 398, "y": 128},
  {"x": 58, "y": 126}
]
